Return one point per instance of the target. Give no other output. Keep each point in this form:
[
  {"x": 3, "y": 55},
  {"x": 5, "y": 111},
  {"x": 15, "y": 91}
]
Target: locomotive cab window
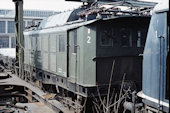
[
  {"x": 61, "y": 43},
  {"x": 141, "y": 38},
  {"x": 106, "y": 38},
  {"x": 125, "y": 37}
]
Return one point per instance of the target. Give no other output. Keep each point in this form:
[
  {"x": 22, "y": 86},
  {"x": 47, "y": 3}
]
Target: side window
[
  {"x": 23, "y": 25},
  {"x": 2, "y": 27},
  {"x": 106, "y": 38},
  {"x": 34, "y": 42},
  {"x": 61, "y": 43},
  {"x": 29, "y": 42},
  {"x": 25, "y": 42},
  {"x": 74, "y": 42},
  {"x": 13, "y": 42},
  {"x": 4, "y": 41},
  {"x": 11, "y": 28},
  {"x": 141, "y": 38},
  {"x": 38, "y": 43},
  {"x": 45, "y": 42},
  {"x": 53, "y": 42},
  {"x": 125, "y": 37}
]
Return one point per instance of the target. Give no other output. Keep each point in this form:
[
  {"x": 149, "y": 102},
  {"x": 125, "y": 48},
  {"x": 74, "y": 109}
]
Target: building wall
[{"x": 7, "y": 25}]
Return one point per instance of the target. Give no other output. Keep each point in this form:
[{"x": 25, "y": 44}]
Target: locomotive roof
[
  {"x": 69, "y": 26},
  {"x": 84, "y": 16},
  {"x": 60, "y": 19},
  {"x": 55, "y": 20}
]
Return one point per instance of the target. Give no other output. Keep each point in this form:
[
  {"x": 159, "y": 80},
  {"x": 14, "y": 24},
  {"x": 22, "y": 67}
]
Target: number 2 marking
[{"x": 88, "y": 39}]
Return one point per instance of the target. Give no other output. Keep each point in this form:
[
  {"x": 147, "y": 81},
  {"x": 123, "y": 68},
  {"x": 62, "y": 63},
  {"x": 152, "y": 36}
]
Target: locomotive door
[{"x": 72, "y": 56}]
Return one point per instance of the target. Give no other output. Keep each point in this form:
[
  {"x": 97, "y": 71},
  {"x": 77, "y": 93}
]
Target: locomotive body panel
[
  {"x": 155, "y": 60},
  {"x": 80, "y": 54}
]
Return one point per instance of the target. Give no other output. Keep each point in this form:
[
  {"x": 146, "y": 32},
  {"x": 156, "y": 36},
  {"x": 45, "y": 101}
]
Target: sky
[{"x": 55, "y": 5}]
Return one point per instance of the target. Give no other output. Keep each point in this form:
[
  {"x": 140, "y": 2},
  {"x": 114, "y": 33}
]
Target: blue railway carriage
[{"x": 156, "y": 62}]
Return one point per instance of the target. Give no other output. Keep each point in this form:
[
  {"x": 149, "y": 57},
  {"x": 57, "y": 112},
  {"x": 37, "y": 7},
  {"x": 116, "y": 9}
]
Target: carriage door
[{"x": 72, "y": 57}]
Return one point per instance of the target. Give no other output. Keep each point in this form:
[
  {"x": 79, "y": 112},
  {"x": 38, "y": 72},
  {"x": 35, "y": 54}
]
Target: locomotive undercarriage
[
  {"x": 74, "y": 96},
  {"x": 58, "y": 85}
]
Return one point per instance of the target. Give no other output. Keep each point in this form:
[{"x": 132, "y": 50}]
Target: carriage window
[
  {"x": 61, "y": 43},
  {"x": 126, "y": 38},
  {"x": 106, "y": 38},
  {"x": 38, "y": 43},
  {"x": 74, "y": 42},
  {"x": 141, "y": 38}
]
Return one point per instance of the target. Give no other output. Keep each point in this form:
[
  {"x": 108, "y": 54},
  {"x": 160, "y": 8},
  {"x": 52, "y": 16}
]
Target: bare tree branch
[
  {"x": 110, "y": 82},
  {"x": 123, "y": 96},
  {"x": 121, "y": 90},
  {"x": 100, "y": 97}
]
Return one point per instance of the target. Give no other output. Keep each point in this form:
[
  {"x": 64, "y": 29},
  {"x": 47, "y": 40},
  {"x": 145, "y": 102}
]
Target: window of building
[
  {"x": 13, "y": 42},
  {"x": 4, "y": 42},
  {"x": 23, "y": 25},
  {"x": 2, "y": 12},
  {"x": 2, "y": 27},
  {"x": 29, "y": 23},
  {"x": 61, "y": 43},
  {"x": 11, "y": 28}
]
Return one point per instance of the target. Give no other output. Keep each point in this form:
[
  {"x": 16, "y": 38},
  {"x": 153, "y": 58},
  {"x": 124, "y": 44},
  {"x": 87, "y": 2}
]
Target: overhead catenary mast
[{"x": 19, "y": 64}]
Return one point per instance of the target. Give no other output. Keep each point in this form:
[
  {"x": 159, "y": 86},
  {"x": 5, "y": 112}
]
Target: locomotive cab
[
  {"x": 93, "y": 48},
  {"x": 122, "y": 41}
]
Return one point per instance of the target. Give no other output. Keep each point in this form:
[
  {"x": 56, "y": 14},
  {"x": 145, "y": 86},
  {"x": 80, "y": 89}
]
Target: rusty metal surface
[
  {"x": 36, "y": 107},
  {"x": 39, "y": 94}
]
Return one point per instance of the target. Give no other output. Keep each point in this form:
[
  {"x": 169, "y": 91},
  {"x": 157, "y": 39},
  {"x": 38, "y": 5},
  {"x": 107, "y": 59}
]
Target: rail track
[{"x": 15, "y": 90}]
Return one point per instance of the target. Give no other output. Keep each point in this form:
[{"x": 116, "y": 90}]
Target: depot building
[{"x": 7, "y": 25}]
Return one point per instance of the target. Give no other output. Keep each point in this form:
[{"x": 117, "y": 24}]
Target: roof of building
[{"x": 27, "y": 13}]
